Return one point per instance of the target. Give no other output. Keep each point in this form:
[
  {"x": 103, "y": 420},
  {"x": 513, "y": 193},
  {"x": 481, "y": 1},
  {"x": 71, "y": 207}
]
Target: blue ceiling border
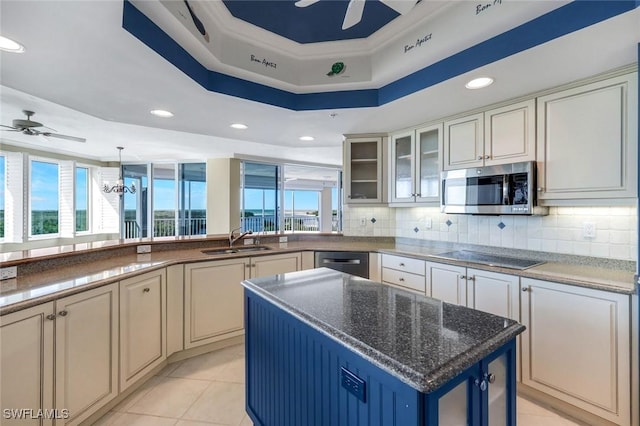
[{"x": 564, "y": 20}]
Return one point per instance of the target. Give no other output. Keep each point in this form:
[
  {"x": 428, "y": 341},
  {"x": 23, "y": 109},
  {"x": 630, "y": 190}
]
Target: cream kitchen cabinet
[
  {"x": 26, "y": 362},
  {"x": 493, "y": 292},
  {"x": 498, "y": 136},
  {"x": 415, "y": 167},
  {"x": 363, "y": 170},
  {"x": 590, "y": 131},
  {"x": 214, "y": 307},
  {"x": 447, "y": 283},
  {"x": 576, "y": 347},
  {"x": 84, "y": 376},
  {"x": 404, "y": 272},
  {"x": 143, "y": 301}
]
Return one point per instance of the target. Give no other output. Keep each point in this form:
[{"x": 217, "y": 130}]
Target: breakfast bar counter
[{"x": 325, "y": 347}]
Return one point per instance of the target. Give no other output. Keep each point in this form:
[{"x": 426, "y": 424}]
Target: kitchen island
[{"x": 327, "y": 348}]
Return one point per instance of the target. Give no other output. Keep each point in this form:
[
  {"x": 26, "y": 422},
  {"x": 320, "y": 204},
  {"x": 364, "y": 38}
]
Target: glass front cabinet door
[
  {"x": 416, "y": 165},
  {"x": 363, "y": 170}
]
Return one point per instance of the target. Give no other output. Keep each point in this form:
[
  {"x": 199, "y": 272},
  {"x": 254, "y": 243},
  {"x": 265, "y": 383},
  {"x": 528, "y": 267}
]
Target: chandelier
[{"x": 119, "y": 187}]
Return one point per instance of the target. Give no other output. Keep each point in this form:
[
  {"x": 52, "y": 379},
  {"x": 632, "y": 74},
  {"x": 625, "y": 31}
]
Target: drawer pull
[
  {"x": 63, "y": 313},
  {"x": 146, "y": 290},
  {"x": 51, "y": 317},
  {"x": 402, "y": 264},
  {"x": 401, "y": 279}
]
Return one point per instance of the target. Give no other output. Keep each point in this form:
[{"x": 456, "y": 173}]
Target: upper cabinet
[
  {"x": 363, "y": 167},
  {"x": 587, "y": 141},
  {"x": 498, "y": 136},
  {"x": 464, "y": 142},
  {"x": 415, "y": 167}
]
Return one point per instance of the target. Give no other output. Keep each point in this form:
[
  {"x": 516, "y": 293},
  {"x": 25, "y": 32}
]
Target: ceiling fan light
[
  {"x": 307, "y": 138},
  {"x": 479, "y": 83},
  {"x": 8, "y": 45},
  {"x": 161, "y": 113},
  {"x": 239, "y": 126}
]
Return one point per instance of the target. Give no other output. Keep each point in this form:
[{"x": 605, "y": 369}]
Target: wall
[{"x": 559, "y": 232}]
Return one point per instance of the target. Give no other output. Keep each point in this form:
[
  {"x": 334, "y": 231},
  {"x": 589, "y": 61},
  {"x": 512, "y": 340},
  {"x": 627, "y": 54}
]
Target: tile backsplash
[{"x": 562, "y": 231}]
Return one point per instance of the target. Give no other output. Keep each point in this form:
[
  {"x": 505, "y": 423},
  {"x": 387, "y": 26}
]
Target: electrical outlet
[
  {"x": 283, "y": 239},
  {"x": 363, "y": 221},
  {"x": 248, "y": 241},
  {"x": 428, "y": 223},
  {"x": 145, "y": 248},
  {"x": 588, "y": 229},
  {"x": 7, "y": 273}
]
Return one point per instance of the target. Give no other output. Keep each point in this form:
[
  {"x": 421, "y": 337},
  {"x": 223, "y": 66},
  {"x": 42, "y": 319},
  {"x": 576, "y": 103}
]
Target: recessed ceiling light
[
  {"x": 306, "y": 138},
  {"x": 239, "y": 126},
  {"x": 9, "y": 45},
  {"x": 479, "y": 83},
  {"x": 162, "y": 113}
]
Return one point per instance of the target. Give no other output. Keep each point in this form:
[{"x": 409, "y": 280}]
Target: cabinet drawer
[
  {"x": 404, "y": 279},
  {"x": 406, "y": 264}
]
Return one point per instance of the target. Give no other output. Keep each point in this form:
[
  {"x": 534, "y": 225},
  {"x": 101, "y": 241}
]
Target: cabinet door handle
[
  {"x": 401, "y": 279},
  {"x": 51, "y": 317},
  {"x": 418, "y": 195},
  {"x": 490, "y": 377},
  {"x": 540, "y": 189},
  {"x": 525, "y": 289},
  {"x": 146, "y": 290},
  {"x": 348, "y": 196},
  {"x": 463, "y": 277},
  {"x": 482, "y": 384},
  {"x": 479, "y": 157},
  {"x": 63, "y": 313},
  {"x": 472, "y": 278},
  {"x": 248, "y": 265},
  {"x": 402, "y": 264},
  {"x": 486, "y": 157}
]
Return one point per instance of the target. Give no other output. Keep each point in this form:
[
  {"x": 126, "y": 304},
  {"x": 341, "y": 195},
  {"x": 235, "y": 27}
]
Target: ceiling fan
[
  {"x": 29, "y": 127},
  {"x": 356, "y": 7}
]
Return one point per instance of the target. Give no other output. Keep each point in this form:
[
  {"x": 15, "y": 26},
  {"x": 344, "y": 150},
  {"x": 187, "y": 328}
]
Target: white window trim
[{"x": 90, "y": 171}]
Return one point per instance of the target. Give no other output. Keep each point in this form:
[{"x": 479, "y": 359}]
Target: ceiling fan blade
[
  {"x": 305, "y": 3},
  {"x": 69, "y": 138},
  {"x": 400, "y": 6},
  {"x": 354, "y": 13},
  {"x": 13, "y": 129}
]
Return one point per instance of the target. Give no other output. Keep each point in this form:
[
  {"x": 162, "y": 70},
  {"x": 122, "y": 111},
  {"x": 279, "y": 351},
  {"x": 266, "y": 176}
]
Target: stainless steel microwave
[{"x": 493, "y": 190}]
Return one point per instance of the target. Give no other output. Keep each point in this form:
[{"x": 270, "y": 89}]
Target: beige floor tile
[
  {"x": 233, "y": 371},
  {"x": 246, "y": 421},
  {"x": 136, "y": 395},
  {"x": 107, "y": 419},
  {"x": 170, "y": 397},
  {"x": 524, "y": 406},
  {"x": 206, "y": 366},
  {"x": 221, "y": 403},
  {"x": 194, "y": 423},
  {"x": 129, "y": 419}
]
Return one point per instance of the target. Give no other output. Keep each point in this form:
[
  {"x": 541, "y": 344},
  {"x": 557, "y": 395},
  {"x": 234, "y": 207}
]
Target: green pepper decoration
[{"x": 336, "y": 68}]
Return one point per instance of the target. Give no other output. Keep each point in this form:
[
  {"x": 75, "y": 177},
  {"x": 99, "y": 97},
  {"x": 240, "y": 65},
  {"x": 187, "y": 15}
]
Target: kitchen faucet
[{"x": 233, "y": 239}]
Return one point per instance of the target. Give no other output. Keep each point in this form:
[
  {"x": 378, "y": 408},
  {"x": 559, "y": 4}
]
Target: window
[
  {"x": 44, "y": 198},
  {"x": 260, "y": 197},
  {"x": 2, "y": 191},
  {"x": 193, "y": 199},
  {"x": 289, "y": 198},
  {"x": 177, "y": 194},
  {"x": 82, "y": 199}
]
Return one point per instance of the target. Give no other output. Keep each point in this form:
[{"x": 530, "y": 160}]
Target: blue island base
[{"x": 300, "y": 376}]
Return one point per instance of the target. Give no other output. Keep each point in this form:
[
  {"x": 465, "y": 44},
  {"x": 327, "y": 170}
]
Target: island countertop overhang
[{"x": 422, "y": 341}]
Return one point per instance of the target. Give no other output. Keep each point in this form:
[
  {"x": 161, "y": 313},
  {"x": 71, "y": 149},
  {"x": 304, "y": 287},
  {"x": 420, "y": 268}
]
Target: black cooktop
[{"x": 490, "y": 259}]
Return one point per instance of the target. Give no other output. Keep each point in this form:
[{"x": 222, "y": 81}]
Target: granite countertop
[
  {"x": 422, "y": 341},
  {"x": 53, "y": 273}
]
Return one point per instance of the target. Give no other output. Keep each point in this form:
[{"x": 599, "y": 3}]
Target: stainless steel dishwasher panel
[{"x": 354, "y": 263}]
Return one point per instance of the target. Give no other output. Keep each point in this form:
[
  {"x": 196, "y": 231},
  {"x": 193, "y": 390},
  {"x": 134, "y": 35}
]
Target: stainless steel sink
[{"x": 230, "y": 250}]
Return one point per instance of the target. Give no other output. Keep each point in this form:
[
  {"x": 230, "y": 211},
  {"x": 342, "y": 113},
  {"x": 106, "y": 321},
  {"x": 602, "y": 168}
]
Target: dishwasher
[{"x": 354, "y": 263}]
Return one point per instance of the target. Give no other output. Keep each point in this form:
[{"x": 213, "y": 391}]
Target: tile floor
[{"x": 209, "y": 390}]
